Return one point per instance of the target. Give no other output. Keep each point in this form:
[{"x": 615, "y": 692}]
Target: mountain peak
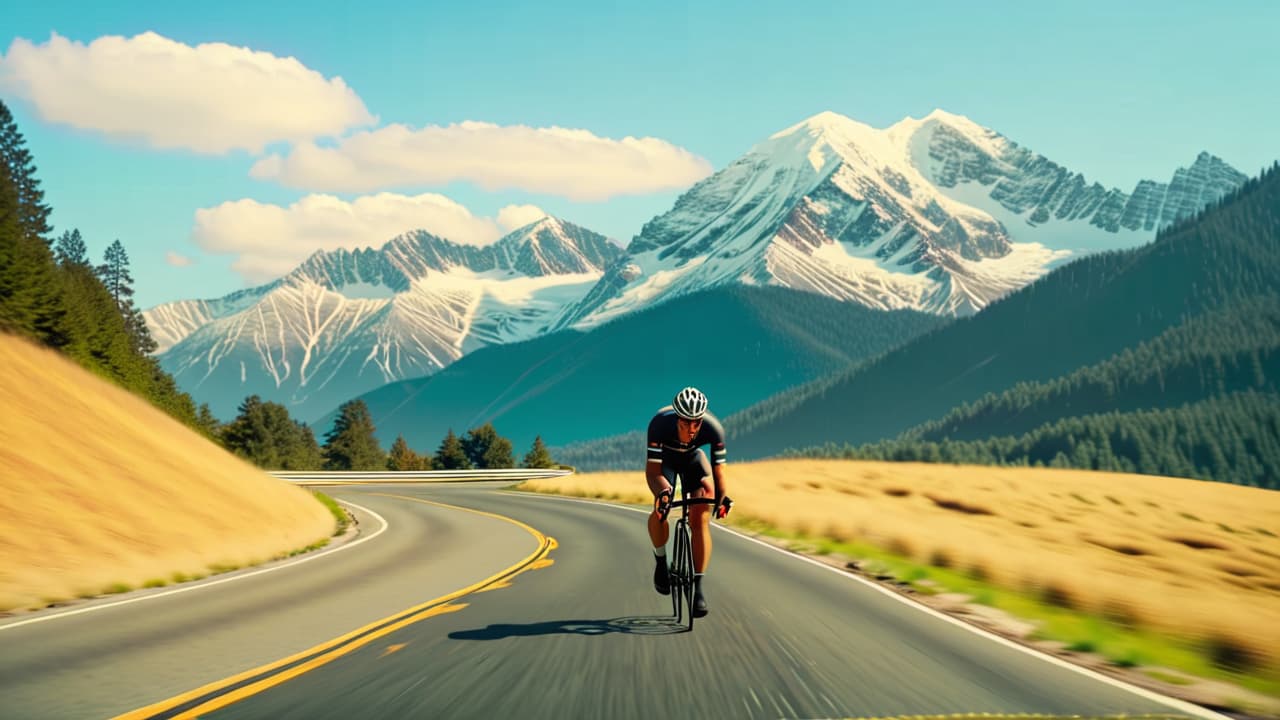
[
  {"x": 826, "y": 118},
  {"x": 531, "y": 230},
  {"x": 943, "y": 116},
  {"x": 551, "y": 246},
  {"x": 826, "y": 124},
  {"x": 1208, "y": 159}
]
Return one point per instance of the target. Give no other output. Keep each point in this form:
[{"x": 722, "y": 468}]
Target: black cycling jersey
[{"x": 664, "y": 440}]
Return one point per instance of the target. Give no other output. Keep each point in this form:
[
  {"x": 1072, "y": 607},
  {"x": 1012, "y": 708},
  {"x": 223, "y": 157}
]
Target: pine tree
[
  {"x": 119, "y": 281},
  {"x": 70, "y": 249},
  {"x": 249, "y": 436},
  {"x": 31, "y": 302},
  {"x": 114, "y": 272},
  {"x": 138, "y": 331},
  {"x": 351, "y": 444},
  {"x": 305, "y": 452},
  {"x": 208, "y": 423},
  {"x": 538, "y": 456},
  {"x": 402, "y": 457},
  {"x": 33, "y": 214},
  {"x": 451, "y": 455}
]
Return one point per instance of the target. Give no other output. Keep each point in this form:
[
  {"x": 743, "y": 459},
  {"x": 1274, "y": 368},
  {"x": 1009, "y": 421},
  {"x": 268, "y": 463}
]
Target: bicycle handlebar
[
  {"x": 692, "y": 501},
  {"x": 686, "y": 502}
]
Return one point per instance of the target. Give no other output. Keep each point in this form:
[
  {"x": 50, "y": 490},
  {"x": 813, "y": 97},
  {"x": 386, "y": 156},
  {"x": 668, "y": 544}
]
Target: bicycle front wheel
[{"x": 680, "y": 569}]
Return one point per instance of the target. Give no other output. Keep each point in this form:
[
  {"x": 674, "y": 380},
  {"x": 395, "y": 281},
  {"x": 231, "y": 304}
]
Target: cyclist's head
[{"x": 690, "y": 404}]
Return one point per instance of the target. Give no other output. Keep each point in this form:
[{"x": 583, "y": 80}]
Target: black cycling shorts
[{"x": 694, "y": 471}]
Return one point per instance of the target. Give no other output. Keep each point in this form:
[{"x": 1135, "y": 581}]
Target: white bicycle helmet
[{"x": 690, "y": 403}]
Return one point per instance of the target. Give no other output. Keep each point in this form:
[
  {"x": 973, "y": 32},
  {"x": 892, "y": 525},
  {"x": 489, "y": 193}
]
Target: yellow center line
[{"x": 331, "y": 650}]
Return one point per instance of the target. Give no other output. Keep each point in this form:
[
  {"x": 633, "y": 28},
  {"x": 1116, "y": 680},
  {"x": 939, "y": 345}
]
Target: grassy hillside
[
  {"x": 101, "y": 491},
  {"x": 737, "y": 344}
]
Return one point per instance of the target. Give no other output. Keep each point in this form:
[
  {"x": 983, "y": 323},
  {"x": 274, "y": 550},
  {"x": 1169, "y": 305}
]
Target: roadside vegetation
[
  {"x": 264, "y": 434},
  {"x": 1167, "y": 574},
  {"x": 340, "y": 517}
]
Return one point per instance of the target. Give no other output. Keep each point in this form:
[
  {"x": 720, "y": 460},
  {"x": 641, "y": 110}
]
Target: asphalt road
[{"x": 583, "y": 635}]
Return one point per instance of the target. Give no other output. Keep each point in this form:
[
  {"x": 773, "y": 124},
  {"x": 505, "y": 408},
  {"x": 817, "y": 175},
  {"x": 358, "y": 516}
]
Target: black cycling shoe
[
  {"x": 661, "y": 579},
  {"x": 699, "y": 603}
]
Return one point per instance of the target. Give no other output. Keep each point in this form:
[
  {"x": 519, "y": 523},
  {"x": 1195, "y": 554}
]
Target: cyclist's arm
[
  {"x": 717, "y": 474},
  {"x": 719, "y": 456},
  {"x": 653, "y": 470}
]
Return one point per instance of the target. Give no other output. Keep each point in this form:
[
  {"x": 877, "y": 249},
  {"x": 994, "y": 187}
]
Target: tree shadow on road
[{"x": 635, "y": 625}]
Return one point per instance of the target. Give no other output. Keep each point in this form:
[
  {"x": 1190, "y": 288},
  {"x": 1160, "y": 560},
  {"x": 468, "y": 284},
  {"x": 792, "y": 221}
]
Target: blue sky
[{"x": 1119, "y": 91}]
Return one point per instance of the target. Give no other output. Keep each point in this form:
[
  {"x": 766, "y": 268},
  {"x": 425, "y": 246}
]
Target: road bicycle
[{"x": 681, "y": 570}]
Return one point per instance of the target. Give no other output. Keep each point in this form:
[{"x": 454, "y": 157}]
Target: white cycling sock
[{"x": 660, "y": 551}]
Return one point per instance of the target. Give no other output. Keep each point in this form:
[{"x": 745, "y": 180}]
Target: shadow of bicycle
[{"x": 639, "y": 625}]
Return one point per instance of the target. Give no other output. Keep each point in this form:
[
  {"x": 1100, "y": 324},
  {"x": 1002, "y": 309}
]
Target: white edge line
[
  {"x": 204, "y": 585},
  {"x": 1174, "y": 703}
]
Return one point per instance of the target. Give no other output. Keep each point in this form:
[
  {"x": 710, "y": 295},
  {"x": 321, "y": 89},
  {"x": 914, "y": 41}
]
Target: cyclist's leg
[
  {"x": 697, "y": 474},
  {"x": 659, "y": 530}
]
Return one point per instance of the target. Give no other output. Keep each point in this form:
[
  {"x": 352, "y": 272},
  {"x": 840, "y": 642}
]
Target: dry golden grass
[
  {"x": 1186, "y": 557},
  {"x": 99, "y": 488}
]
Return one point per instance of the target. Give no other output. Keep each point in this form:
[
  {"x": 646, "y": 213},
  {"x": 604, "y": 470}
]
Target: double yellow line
[{"x": 222, "y": 693}]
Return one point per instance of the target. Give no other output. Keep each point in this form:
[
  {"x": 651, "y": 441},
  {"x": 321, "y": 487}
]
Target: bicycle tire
[
  {"x": 681, "y": 573},
  {"x": 689, "y": 585},
  {"x": 674, "y": 575},
  {"x": 684, "y": 558}
]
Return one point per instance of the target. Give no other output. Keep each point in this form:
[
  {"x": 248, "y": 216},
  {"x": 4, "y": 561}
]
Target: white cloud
[
  {"x": 572, "y": 163},
  {"x": 514, "y": 217},
  {"x": 211, "y": 98},
  {"x": 177, "y": 259},
  {"x": 270, "y": 240}
]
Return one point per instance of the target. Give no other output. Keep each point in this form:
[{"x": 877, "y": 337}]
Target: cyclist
[{"x": 676, "y": 435}]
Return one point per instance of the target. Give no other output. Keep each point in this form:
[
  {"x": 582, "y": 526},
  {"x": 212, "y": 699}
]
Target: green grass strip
[
  {"x": 339, "y": 514},
  {"x": 1122, "y": 644}
]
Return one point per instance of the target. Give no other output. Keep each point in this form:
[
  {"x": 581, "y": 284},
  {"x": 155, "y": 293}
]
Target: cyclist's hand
[
  {"x": 723, "y": 506},
  {"x": 662, "y": 503}
]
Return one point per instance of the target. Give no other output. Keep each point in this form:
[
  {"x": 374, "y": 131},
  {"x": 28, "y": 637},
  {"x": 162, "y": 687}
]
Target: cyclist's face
[{"x": 687, "y": 429}]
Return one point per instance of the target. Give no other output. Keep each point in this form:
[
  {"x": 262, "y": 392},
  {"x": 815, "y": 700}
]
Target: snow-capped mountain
[
  {"x": 937, "y": 214},
  {"x": 345, "y": 322}
]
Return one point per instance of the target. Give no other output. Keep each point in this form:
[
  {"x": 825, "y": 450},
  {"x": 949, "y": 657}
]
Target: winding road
[{"x": 469, "y": 601}]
